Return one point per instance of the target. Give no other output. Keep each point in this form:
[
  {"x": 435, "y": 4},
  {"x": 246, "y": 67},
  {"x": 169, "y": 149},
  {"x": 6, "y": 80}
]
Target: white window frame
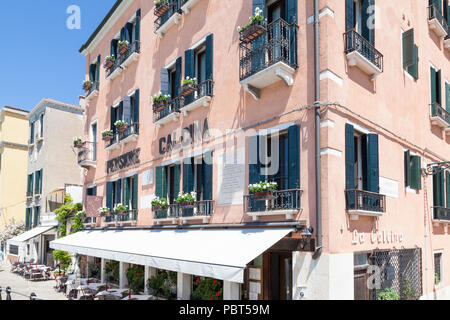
[{"x": 441, "y": 276}]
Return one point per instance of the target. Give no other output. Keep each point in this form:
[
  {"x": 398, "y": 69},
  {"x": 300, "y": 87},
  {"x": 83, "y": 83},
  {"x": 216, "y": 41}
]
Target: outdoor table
[
  {"x": 139, "y": 297},
  {"x": 113, "y": 292},
  {"x": 93, "y": 286}
]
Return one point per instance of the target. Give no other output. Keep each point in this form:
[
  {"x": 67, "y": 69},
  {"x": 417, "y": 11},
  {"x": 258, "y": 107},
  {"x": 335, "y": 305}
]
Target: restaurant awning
[
  {"x": 29, "y": 235},
  {"x": 216, "y": 253}
]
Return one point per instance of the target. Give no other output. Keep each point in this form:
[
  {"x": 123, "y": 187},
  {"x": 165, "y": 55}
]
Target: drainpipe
[{"x": 318, "y": 250}]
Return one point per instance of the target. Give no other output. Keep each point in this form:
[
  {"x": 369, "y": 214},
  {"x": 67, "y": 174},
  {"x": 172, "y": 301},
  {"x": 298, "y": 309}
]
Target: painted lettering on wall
[
  {"x": 196, "y": 132},
  {"x": 380, "y": 237},
  {"x": 124, "y": 161}
]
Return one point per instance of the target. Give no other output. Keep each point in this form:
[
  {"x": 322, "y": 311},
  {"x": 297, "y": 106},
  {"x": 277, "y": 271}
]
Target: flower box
[
  {"x": 123, "y": 48},
  {"x": 186, "y": 204},
  {"x": 252, "y": 32},
  {"x": 161, "y": 9},
  {"x": 107, "y": 136},
  {"x": 159, "y": 208},
  {"x": 122, "y": 128},
  {"x": 263, "y": 195},
  {"x": 87, "y": 85},
  {"x": 187, "y": 89},
  {"x": 160, "y": 105},
  {"x": 78, "y": 143},
  {"x": 108, "y": 64}
]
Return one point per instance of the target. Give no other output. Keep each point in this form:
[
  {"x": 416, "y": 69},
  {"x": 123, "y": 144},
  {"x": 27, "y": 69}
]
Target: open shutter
[
  {"x": 178, "y": 74},
  {"x": 126, "y": 104},
  {"x": 188, "y": 176},
  {"x": 109, "y": 195},
  {"x": 113, "y": 119},
  {"x": 447, "y": 178},
  {"x": 258, "y": 56},
  {"x": 408, "y": 48},
  {"x": 438, "y": 190},
  {"x": 161, "y": 182},
  {"x": 176, "y": 179},
  {"x": 438, "y": 88},
  {"x": 437, "y": 4},
  {"x": 407, "y": 165},
  {"x": 209, "y": 57},
  {"x": 92, "y": 70},
  {"x": 40, "y": 180},
  {"x": 97, "y": 69},
  {"x": 134, "y": 199},
  {"x": 367, "y": 20},
  {"x": 129, "y": 32},
  {"x": 32, "y": 179},
  {"x": 189, "y": 71},
  {"x": 371, "y": 178},
  {"x": 118, "y": 191},
  {"x": 349, "y": 157},
  {"x": 416, "y": 181},
  {"x": 349, "y": 14},
  {"x": 294, "y": 157},
  {"x": 36, "y": 182},
  {"x": 254, "y": 174},
  {"x": 165, "y": 81},
  {"x": 207, "y": 179},
  {"x": 291, "y": 16},
  {"x": 125, "y": 192},
  {"x": 122, "y": 34},
  {"x": 137, "y": 27},
  {"x": 433, "y": 85},
  {"x": 447, "y": 97},
  {"x": 113, "y": 51},
  {"x": 414, "y": 68},
  {"x": 136, "y": 106}
]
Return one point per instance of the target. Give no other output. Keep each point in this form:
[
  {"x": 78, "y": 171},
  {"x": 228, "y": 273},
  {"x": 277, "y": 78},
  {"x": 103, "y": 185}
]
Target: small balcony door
[{"x": 275, "y": 34}]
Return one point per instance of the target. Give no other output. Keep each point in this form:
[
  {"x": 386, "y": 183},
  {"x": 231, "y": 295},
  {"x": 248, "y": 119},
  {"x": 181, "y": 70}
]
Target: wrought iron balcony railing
[
  {"x": 435, "y": 13},
  {"x": 118, "y": 137},
  {"x": 135, "y": 46},
  {"x": 441, "y": 213},
  {"x": 174, "y": 7},
  {"x": 438, "y": 111},
  {"x": 171, "y": 212},
  {"x": 276, "y": 201},
  {"x": 90, "y": 221},
  {"x": 95, "y": 86},
  {"x": 356, "y": 42},
  {"x": 278, "y": 43},
  {"x": 88, "y": 152},
  {"x": 360, "y": 200},
  {"x": 129, "y": 216},
  {"x": 173, "y": 106},
  {"x": 203, "y": 208}
]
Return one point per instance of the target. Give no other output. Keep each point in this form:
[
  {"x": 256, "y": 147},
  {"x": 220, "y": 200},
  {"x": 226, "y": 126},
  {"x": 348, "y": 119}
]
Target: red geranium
[{"x": 218, "y": 294}]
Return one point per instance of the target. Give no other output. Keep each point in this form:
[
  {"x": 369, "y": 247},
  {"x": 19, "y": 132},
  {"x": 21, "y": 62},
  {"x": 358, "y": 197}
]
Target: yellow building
[{"x": 13, "y": 164}]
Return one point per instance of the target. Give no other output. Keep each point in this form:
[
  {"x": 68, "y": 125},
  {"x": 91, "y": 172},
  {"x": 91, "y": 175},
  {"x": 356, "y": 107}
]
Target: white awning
[
  {"x": 219, "y": 253},
  {"x": 29, "y": 235}
]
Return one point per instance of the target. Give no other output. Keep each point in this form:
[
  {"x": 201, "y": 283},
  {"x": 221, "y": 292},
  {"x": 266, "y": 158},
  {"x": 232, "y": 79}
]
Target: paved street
[{"x": 43, "y": 289}]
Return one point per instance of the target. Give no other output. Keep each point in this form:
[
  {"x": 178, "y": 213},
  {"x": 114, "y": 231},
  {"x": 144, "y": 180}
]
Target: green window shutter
[
  {"x": 294, "y": 157},
  {"x": 259, "y": 4},
  {"x": 125, "y": 192},
  {"x": 433, "y": 85},
  {"x": 109, "y": 195},
  {"x": 188, "y": 176},
  {"x": 349, "y": 14},
  {"x": 207, "y": 179},
  {"x": 118, "y": 192},
  {"x": 407, "y": 165},
  {"x": 92, "y": 70},
  {"x": 37, "y": 180},
  {"x": 136, "y": 106},
  {"x": 254, "y": 174},
  {"x": 137, "y": 27},
  {"x": 291, "y": 11},
  {"x": 32, "y": 179},
  {"x": 447, "y": 97},
  {"x": 416, "y": 181},
  {"x": 97, "y": 69},
  {"x": 113, "y": 51},
  {"x": 442, "y": 189},
  {"x": 367, "y": 32},
  {"x": 408, "y": 48},
  {"x": 161, "y": 182},
  {"x": 189, "y": 71},
  {"x": 120, "y": 116},
  {"x": 371, "y": 178},
  {"x": 209, "y": 56},
  {"x": 40, "y": 180},
  {"x": 438, "y": 87},
  {"x": 413, "y": 70},
  {"x": 178, "y": 75},
  {"x": 126, "y": 105},
  {"x": 349, "y": 157},
  {"x": 113, "y": 119},
  {"x": 176, "y": 179},
  {"x": 135, "y": 198},
  {"x": 165, "y": 81},
  {"x": 438, "y": 189},
  {"x": 447, "y": 177}
]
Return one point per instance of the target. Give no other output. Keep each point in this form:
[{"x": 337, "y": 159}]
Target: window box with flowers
[
  {"x": 186, "y": 199},
  {"x": 262, "y": 189},
  {"x": 109, "y": 62},
  {"x": 121, "y": 126},
  {"x": 87, "y": 84},
  {"x": 255, "y": 28},
  {"x": 161, "y": 7},
  {"x": 160, "y": 102},
  {"x": 77, "y": 142},
  {"x": 104, "y": 211},
  {"x": 120, "y": 209},
  {"x": 207, "y": 289},
  {"x": 107, "y": 135},
  {"x": 189, "y": 86},
  {"x": 159, "y": 204},
  {"x": 123, "y": 46}
]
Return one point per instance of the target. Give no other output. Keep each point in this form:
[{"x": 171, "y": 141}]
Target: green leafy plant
[
  {"x": 257, "y": 18},
  {"x": 163, "y": 284},
  {"x": 107, "y": 133},
  {"x": 120, "y": 208},
  {"x": 87, "y": 84},
  {"x": 388, "y": 294},
  {"x": 112, "y": 269},
  {"x": 77, "y": 139},
  {"x": 104, "y": 211},
  {"x": 110, "y": 59},
  {"x": 67, "y": 213},
  {"x": 160, "y": 202},
  {"x": 78, "y": 221},
  {"x": 190, "y": 81},
  {"x": 123, "y": 43},
  {"x": 186, "y": 197},
  {"x": 262, "y": 187},
  {"x": 207, "y": 289},
  {"x": 437, "y": 279},
  {"x": 160, "y": 2},
  {"x": 409, "y": 292},
  {"x": 63, "y": 259},
  {"x": 119, "y": 123},
  {"x": 135, "y": 277},
  {"x": 160, "y": 97}
]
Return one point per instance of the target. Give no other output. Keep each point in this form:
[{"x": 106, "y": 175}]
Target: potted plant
[
  {"x": 262, "y": 189},
  {"x": 159, "y": 203},
  {"x": 120, "y": 209},
  {"x": 109, "y": 61},
  {"x": 160, "y": 102},
  {"x": 107, "y": 135},
  {"x": 255, "y": 28},
  {"x": 186, "y": 199},
  {"x": 388, "y": 294},
  {"x": 135, "y": 277},
  {"x": 189, "y": 86},
  {"x": 77, "y": 142},
  {"x": 207, "y": 289},
  {"x": 161, "y": 7},
  {"x": 123, "y": 46},
  {"x": 121, "y": 126},
  {"x": 104, "y": 211},
  {"x": 87, "y": 84}
]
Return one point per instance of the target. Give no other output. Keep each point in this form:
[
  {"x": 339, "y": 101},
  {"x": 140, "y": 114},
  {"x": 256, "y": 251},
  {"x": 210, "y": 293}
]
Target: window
[
  {"x": 438, "y": 268},
  {"x": 441, "y": 193},
  {"x": 30, "y": 184},
  {"x": 168, "y": 182},
  {"x": 13, "y": 250},
  {"x": 410, "y": 54},
  {"x": 436, "y": 96},
  {"x": 123, "y": 191},
  {"x": 447, "y": 96},
  {"x": 92, "y": 191},
  {"x": 197, "y": 176},
  {"x": 128, "y": 111},
  {"x": 130, "y": 32},
  {"x": 413, "y": 171},
  {"x": 37, "y": 213},
  {"x": 38, "y": 182},
  {"x": 31, "y": 132},
  {"x": 28, "y": 218},
  {"x": 94, "y": 71},
  {"x": 360, "y": 17},
  {"x": 41, "y": 125},
  {"x": 93, "y": 147},
  {"x": 116, "y": 114}
]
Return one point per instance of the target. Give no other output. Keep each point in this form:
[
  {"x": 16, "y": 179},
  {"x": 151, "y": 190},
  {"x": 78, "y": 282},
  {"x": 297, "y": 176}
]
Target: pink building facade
[{"x": 384, "y": 124}]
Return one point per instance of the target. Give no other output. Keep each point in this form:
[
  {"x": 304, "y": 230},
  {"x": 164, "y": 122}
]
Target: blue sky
[{"x": 39, "y": 54}]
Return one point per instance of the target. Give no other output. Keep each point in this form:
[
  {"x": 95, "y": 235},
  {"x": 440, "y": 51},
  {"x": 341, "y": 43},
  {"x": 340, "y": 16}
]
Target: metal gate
[{"x": 400, "y": 270}]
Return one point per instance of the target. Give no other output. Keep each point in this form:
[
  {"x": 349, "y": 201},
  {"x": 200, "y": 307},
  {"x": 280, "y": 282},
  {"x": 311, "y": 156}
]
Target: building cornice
[
  {"x": 50, "y": 103},
  {"x": 108, "y": 22}
]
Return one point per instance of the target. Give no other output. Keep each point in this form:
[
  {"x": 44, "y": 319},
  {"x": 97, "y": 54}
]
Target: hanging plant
[
  {"x": 123, "y": 46},
  {"x": 77, "y": 142},
  {"x": 189, "y": 86},
  {"x": 87, "y": 84},
  {"x": 255, "y": 28},
  {"x": 109, "y": 61},
  {"x": 161, "y": 7}
]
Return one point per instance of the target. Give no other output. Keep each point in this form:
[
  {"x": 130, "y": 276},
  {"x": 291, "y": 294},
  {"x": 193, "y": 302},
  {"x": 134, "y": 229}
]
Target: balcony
[
  {"x": 362, "y": 54},
  {"x": 171, "y": 214},
  {"x": 364, "y": 203},
  {"x": 436, "y": 21},
  {"x": 169, "y": 19},
  {"x": 441, "y": 215},
  {"x": 200, "y": 98},
  {"x": 93, "y": 91},
  {"x": 187, "y": 5},
  {"x": 439, "y": 116},
  {"x": 90, "y": 222},
  {"x": 198, "y": 210},
  {"x": 87, "y": 155},
  {"x": 268, "y": 58},
  {"x": 124, "y": 60},
  {"x": 170, "y": 113},
  {"x": 130, "y": 218},
  {"x": 130, "y": 135},
  {"x": 285, "y": 202}
]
